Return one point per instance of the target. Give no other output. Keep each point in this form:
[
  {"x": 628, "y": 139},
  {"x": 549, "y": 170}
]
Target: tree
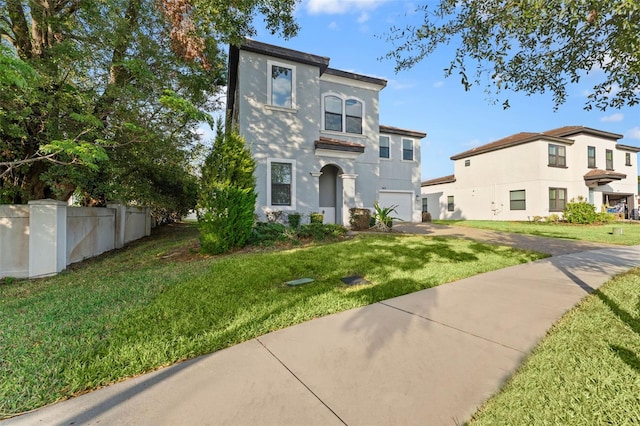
[
  {"x": 532, "y": 46},
  {"x": 227, "y": 194},
  {"x": 96, "y": 96}
]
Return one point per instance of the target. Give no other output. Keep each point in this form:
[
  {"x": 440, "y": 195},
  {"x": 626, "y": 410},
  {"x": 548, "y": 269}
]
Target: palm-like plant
[{"x": 383, "y": 217}]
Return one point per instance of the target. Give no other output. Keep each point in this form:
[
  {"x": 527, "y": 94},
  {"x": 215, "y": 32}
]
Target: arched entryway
[{"x": 330, "y": 194}]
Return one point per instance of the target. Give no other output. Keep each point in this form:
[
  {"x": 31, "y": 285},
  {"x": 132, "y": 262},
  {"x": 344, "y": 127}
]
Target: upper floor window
[
  {"x": 609, "y": 158},
  {"x": 281, "y": 83},
  {"x": 333, "y": 113},
  {"x": 407, "y": 149},
  {"x": 354, "y": 116},
  {"x": 591, "y": 157},
  {"x": 557, "y": 156},
  {"x": 627, "y": 158},
  {"x": 343, "y": 115},
  {"x": 384, "y": 146}
]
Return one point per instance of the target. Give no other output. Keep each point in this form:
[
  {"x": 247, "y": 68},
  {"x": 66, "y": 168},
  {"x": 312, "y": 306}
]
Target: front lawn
[
  {"x": 585, "y": 372},
  {"x": 159, "y": 302},
  {"x": 597, "y": 233}
]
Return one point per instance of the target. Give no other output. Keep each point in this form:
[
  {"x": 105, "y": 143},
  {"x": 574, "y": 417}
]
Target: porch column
[
  {"x": 47, "y": 237},
  {"x": 348, "y": 195}
]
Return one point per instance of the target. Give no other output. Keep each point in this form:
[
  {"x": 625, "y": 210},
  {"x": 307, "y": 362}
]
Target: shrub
[
  {"x": 294, "y": 220},
  {"x": 581, "y": 212},
  {"x": 227, "y": 220},
  {"x": 359, "y": 219},
  {"x": 322, "y": 231},
  {"x": 316, "y": 218},
  {"x": 274, "y": 216},
  {"x": 553, "y": 218},
  {"x": 268, "y": 233},
  {"x": 227, "y": 194}
]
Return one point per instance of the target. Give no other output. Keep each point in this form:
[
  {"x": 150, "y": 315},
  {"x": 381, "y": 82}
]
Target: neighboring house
[
  {"x": 315, "y": 134},
  {"x": 536, "y": 174}
]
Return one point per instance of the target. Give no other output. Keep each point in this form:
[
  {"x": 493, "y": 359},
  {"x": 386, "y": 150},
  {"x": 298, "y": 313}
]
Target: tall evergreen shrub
[{"x": 227, "y": 194}]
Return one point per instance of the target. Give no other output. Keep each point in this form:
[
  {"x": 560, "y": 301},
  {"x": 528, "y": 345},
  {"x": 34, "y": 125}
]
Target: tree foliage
[
  {"x": 102, "y": 98},
  {"x": 532, "y": 46},
  {"x": 227, "y": 194}
]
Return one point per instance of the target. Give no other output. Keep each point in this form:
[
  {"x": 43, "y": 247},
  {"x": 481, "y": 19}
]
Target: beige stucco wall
[
  {"x": 90, "y": 232},
  {"x": 482, "y": 188},
  {"x": 14, "y": 241},
  {"x": 42, "y": 238}
]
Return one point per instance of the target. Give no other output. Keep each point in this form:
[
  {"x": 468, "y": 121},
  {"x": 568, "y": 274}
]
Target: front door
[{"x": 330, "y": 193}]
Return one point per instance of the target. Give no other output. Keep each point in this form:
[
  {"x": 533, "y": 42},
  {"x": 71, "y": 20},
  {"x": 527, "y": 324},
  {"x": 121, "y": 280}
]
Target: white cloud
[
  {"x": 472, "y": 143},
  {"x": 333, "y": 25},
  {"x": 438, "y": 84},
  {"x": 613, "y": 118},
  {"x": 633, "y": 133},
  {"x": 399, "y": 85},
  {"x": 338, "y": 7},
  {"x": 364, "y": 17}
]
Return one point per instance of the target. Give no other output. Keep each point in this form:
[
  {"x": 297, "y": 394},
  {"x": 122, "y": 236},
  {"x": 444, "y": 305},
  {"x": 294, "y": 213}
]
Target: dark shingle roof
[
  {"x": 440, "y": 180},
  {"x": 559, "y": 135},
  {"x": 402, "y": 132}
]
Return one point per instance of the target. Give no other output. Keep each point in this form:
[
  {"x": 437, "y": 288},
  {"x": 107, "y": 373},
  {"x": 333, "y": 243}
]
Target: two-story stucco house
[
  {"x": 314, "y": 132},
  {"x": 536, "y": 174}
]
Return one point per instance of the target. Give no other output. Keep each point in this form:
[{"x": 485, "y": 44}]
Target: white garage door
[{"x": 403, "y": 200}]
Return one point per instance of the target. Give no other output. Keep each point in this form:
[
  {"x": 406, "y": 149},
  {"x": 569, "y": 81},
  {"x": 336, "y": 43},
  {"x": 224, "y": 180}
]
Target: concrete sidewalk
[{"x": 427, "y": 358}]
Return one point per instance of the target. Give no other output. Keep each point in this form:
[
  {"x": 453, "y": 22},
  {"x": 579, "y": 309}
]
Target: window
[
  {"x": 518, "y": 200},
  {"x": 557, "y": 199},
  {"x": 627, "y": 158},
  {"x": 333, "y": 113},
  {"x": 337, "y": 112},
  {"x": 281, "y": 85},
  {"x": 424, "y": 205},
  {"x": 407, "y": 149},
  {"x": 467, "y": 163},
  {"x": 591, "y": 157},
  {"x": 609, "y": 158},
  {"x": 557, "y": 156},
  {"x": 281, "y": 182},
  {"x": 354, "y": 116},
  {"x": 450, "y": 205},
  {"x": 384, "y": 146}
]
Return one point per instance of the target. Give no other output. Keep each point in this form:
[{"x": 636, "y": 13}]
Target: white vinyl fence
[{"x": 43, "y": 237}]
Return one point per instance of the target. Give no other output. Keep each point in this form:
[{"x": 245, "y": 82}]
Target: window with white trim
[
  {"x": 281, "y": 182},
  {"x": 281, "y": 85},
  {"x": 450, "y": 203},
  {"x": 407, "y": 149},
  {"x": 342, "y": 115},
  {"x": 384, "y": 147}
]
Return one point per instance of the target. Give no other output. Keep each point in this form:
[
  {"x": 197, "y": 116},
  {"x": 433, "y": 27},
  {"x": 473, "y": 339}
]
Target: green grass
[
  {"x": 596, "y": 233},
  {"x": 585, "y": 372},
  {"x": 157, "y": 302}
]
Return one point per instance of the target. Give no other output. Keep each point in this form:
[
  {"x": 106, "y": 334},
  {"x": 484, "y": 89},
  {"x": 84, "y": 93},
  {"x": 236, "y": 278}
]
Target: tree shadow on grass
[{"x": 628, "y": 356}]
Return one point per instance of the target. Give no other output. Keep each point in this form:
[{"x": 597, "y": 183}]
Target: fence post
[
  {"x": 121, "y": 223},
  {"x": 47, "y": 237}
]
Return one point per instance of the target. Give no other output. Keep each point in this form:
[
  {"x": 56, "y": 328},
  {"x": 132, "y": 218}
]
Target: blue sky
[{"x": 352, "y": 34}]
